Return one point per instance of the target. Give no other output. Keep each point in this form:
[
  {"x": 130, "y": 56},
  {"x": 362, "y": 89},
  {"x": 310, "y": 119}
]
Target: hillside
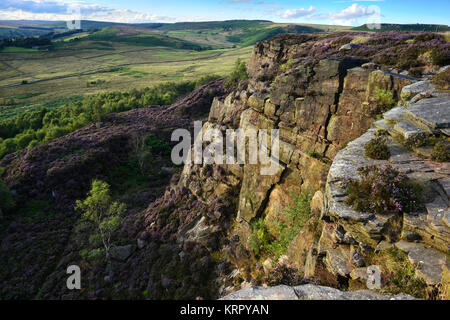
[
  {"x": 313, "y": 229},
  {"x": 405, "y": 28}
]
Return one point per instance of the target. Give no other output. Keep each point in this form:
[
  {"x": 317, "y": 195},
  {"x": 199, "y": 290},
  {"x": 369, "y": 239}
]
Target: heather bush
[
  {"x": 377, "y": 148},
  {"x": 382, "y": 190},
  {"x": 6, "y": 198},
  {"x": 239, "y": 73},
  {"x": 440, "y": 57},
  {"x": 283, "y": 275},
  {"x": 417, "y": 141},
  {"x": 441, "y": 152},
  {"x": 442, "y": 80},
  {"x": 144, "y": 148},
  {"x": 295, "y": 216}
]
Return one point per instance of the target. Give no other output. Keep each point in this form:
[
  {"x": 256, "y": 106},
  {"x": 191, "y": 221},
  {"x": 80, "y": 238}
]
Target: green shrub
[
  {"x": 55, "y": 120},
  {"x": 385, "y": 99},
  {"x": 442, "y": 80},
  {"x": 440, "y": 57},
  {"x": 287, "y": 65},
  {"x": 283, "y": 275},
  {"x": 296, "y": 215},
  {"x": 417, "y": 141},
  {"x": 238, "y": 74},
  {"x": 91, "y": 255},
  {"x": 104, "y": 214},
  {"x": 259, "y": 238},
  {"x": 383, "y": 190},
  {"x": 441, "y": 152},
  {"x": 398, "y": 273},
  {"x": 377, "y": 149}
]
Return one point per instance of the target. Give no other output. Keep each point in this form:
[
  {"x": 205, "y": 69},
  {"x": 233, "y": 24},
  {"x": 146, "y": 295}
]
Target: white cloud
[
  {"x": 297, "y": 13},
  {"x": 351, "y": 14},
  {"x": 57, "y": 10}
]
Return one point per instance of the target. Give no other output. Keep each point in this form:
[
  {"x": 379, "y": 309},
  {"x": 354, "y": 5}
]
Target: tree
[
  {"x": 239, "y": 73},
  {"x": 99, "y": 209},
  {"x": 142, "y": 155}
]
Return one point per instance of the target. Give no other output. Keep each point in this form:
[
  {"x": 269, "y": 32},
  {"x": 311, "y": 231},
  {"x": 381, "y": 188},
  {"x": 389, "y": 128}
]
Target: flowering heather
[
  {"x": 403, "y": 50},
  {"x": 284, "y": 275},
  {"x": 382, "y": 190}
]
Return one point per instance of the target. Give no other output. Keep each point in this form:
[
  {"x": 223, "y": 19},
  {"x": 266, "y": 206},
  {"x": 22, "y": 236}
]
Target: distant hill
[
  {"x": 405, "y": 28},
  {"x": 196, "y": 35},
  {"x": 239, "y": 32}
]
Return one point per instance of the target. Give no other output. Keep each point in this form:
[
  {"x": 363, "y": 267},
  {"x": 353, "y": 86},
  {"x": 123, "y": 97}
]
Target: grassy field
[
  {"x": 92, "y": 66},
  {"x": 108, "y": 57}
]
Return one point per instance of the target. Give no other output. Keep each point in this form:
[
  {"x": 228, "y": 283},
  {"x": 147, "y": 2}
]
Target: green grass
[
  {"x": 17, "y": 49},
  {"x": 148, "y": 66},
  {"x": 295, "y": 216}
]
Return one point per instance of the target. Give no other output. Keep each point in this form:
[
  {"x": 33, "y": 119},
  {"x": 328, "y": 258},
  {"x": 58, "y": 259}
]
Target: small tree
[
  {"x": 385, "y": 99},
  {"x": 141, "y": 154},
  {"x": 99, "y": 209},
  {"x": 239, "y": 73},
  {"x": 145, "y": 148}
]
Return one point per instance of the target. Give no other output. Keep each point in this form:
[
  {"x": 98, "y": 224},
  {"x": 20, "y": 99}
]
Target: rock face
[
  {"x": 425, "y": 233},
  {"x": 309, "y": 292},
  {"x": 318, "y": 105}
]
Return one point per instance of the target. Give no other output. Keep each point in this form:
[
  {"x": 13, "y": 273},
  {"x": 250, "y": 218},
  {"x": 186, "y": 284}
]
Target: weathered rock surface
[
  {"x": 421, "y": 87},
  {"x": 427, "y": 228},
  {"x": 122, "y": 253},
  {"x": 429, "y": 262},
  {"x": 309, "y": 292},
  {"x": 433, "y": 113}
]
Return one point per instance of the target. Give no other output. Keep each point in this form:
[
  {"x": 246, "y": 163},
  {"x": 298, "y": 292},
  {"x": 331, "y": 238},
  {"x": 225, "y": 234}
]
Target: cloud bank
[{"x": 59, "y": 10}]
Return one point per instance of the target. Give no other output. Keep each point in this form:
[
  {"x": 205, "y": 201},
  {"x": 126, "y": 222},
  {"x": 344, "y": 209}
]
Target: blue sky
[{"x": 341, "y": 12}]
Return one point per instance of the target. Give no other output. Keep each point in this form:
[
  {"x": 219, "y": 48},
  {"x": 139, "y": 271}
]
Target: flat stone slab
[
  {"x": 383, "y": 125},
  {"x": 408, "y": 129},
  {"x": 339, "y": 209},
  {"x": 416, "y": 88},
  {"x": 429, "y": 262},
  {"x": 260, "y": 293},
  {"x": 313, "y": 292},
  {"x": 395, "y": 114},
  {"x": 309, "y": 292},
  {"x": 433, "y": 112}
]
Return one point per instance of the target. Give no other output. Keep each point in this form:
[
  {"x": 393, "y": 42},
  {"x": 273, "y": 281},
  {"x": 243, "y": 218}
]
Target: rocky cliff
[
  {"x": 219, "y": 228},
  {"x": 319, "y": 103}
]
